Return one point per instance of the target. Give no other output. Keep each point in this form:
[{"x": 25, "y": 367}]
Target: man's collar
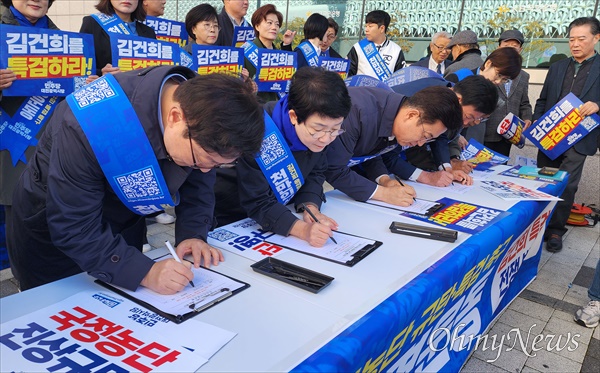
[{"x": 587, "y": 59}]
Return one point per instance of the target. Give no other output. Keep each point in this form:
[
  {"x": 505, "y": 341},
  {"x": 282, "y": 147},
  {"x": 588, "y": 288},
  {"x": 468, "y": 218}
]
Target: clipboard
[
  {"x": 356, "y": 257},
  {"x": 178, "y": 319}
]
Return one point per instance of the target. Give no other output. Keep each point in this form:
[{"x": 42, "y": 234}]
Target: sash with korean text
[
  {"x": 131, "y": 52},
  {"x": 375, "y": 60},
  {"x": 366, "y": 81},
  {"x": 251, "y": 53},
  {"x": 46, "y": 62},
  {"x": 241, "y": 35},
  {"x": 358, "y": 160},
  {"x": 210, "y": 59},
  {"x": 168, "y": 30},
  {"x": 337, "y": 65},
  {"x": 121, "y": 145},
  {"x": 111, "y": 24},
  {"x": 410, "y": 74},
  {"x": 185, "y": 58},
  {"x": 274, "y": 70},
  {"x": 19, "y": 131},
  {"x": 561, "y": 127},
  {"x": 278, "y": 163},
  {"x": 309, "y": 53}
]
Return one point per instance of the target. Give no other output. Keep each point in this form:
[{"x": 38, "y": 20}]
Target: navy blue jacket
[
  {"x": 368, "y": 128},
  {"x": 68, "y": 218}
]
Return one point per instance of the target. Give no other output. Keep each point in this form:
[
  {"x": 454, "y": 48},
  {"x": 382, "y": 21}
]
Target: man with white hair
[{"x": 438, "y": 59}]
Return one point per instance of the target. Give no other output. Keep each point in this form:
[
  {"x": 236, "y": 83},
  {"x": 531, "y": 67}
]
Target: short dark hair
[
  {"x": 316, "y": 26},
  {"x": 199, "y": 13},
  {"x": 223, "y": 114},
  {"x": 581, "y": 21},
  {"x": 379, "y": 17},
  {"x": 105, "y": 6},
  {"x": 8, "y": 3},
  {"x": 437, "y": 103},
  {"x": 261, "y": 14},
  {"x": 315, "y": 90},
  {"x": 479, "y": 92},
  {"x": 507, "y": 60},
  {"x": 333, "y": 24}
]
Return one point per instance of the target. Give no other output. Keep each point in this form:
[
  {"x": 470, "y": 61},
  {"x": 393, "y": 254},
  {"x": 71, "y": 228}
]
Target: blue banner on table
[
  {"x": 121, "y": 145},
  {"x": 19, "y": 131},
  {"x": 478, "y": 154},
  {"x": 278, "y": 164},
  {"x": 210, "y": 59},
  {"x": 46, "y": 62},
  {"x": 134, "y": 52},
  {"x": 435, "y": 321},
  {"x": 366, "y": 81},
  {"x": 337, "y": 65},
  {"x": 511, "y": 128},
  {"x": 168, "y": 30},
  {"x": 410, "y": 74},
  {"x": 462, "y": 216},
  {"x": 274, "y": 70},
  {"x": 241, "y": 35},
  {"x": 561, "y": 127}
]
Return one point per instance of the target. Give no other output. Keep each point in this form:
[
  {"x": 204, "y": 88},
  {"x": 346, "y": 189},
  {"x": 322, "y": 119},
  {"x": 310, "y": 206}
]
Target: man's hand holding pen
[
  {"x": 392, "y": 191},
  {"x": 460, "y": 176},
  {"x": 314, "y": 228}
]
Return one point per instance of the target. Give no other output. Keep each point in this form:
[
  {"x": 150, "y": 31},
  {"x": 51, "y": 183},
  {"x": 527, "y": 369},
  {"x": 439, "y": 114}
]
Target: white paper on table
[
  {"x": 209, "y": 287},
  {"x": 482, "y": 174},
  {"x": 96, "y": 318},
  {"x": 343, "y": 252},
  {"x": 507, "y": 190},
  {"x": 420, "y": 206},
  {"x": 457, "y": 188}
]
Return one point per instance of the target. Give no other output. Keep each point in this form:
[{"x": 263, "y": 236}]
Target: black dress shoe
[{"x": 554, "y": 243}]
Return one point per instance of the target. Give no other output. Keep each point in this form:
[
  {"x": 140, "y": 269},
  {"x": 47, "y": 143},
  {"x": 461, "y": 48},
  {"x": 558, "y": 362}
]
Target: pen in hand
[
  {"x": 402, "y": 184},
  {"x": 444, "y": 168},
  {"x": 315, "y": 219},
  {"x": 174, "y": 254}
]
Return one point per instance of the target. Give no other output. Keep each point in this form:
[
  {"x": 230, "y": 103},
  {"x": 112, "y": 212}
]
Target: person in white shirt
[
  {"x": 438, "y": 59},
  {"x": 377, "y": 23}
]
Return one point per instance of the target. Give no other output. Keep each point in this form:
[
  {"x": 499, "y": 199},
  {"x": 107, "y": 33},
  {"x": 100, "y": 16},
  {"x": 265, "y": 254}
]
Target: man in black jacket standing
[
  {"x": 580, "y": 75},
  {"x": 231, "y": 15}
]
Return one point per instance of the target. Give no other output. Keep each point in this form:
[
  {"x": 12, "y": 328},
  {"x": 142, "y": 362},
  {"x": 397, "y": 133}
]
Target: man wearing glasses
[
  {"x": 438, "y": 60},
  {"x": 332, "y": 31},
  {"x": 117, "y": 150},
  {"x": 378, "y": 122}
]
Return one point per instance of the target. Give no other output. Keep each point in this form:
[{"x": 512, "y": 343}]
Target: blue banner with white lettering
[
  {"x": 19, "y": 131},
  {"x": 211, "y": 59},
  {"x": 121, "y": 145},
  {"x": 278, "y": 164},
  {"x": 366, "y": 81},
  {"x": 274, "y": 70},
  {"x": 410, "y": 74},
  {"x": 46, "y": 62},
  {"x": 168, "y": 30},
  {"x": 561, "y": 127},
  {"x": 436, "y": 320},
  {"x": 241, "y": 35},
  {"x": 337, "y": 65},
  {"x": 131, "y": 52},
  {"x": 111, "y": 24}
]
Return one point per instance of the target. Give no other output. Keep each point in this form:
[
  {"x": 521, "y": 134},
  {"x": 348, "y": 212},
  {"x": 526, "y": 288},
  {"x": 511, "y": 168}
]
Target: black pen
[
  {"x": 401, "y": 183},
  {"x": 444, "y": 168},
  {"x": 315, "y": 219}
]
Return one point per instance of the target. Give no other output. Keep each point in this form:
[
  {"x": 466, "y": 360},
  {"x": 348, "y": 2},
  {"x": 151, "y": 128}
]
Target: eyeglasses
[
  {"x": 211, "y": 26},
  {"x": 320, "y": 134},
  {"x": 441, "y": 47},
  {"x": 215, "y": 165},
  {"x": 427, "y": 136},
  {"x": 474, "y": 120}
]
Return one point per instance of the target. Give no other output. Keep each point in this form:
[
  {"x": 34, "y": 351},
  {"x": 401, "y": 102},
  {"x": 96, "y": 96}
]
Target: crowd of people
[{"x": 202, "y": 137}]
